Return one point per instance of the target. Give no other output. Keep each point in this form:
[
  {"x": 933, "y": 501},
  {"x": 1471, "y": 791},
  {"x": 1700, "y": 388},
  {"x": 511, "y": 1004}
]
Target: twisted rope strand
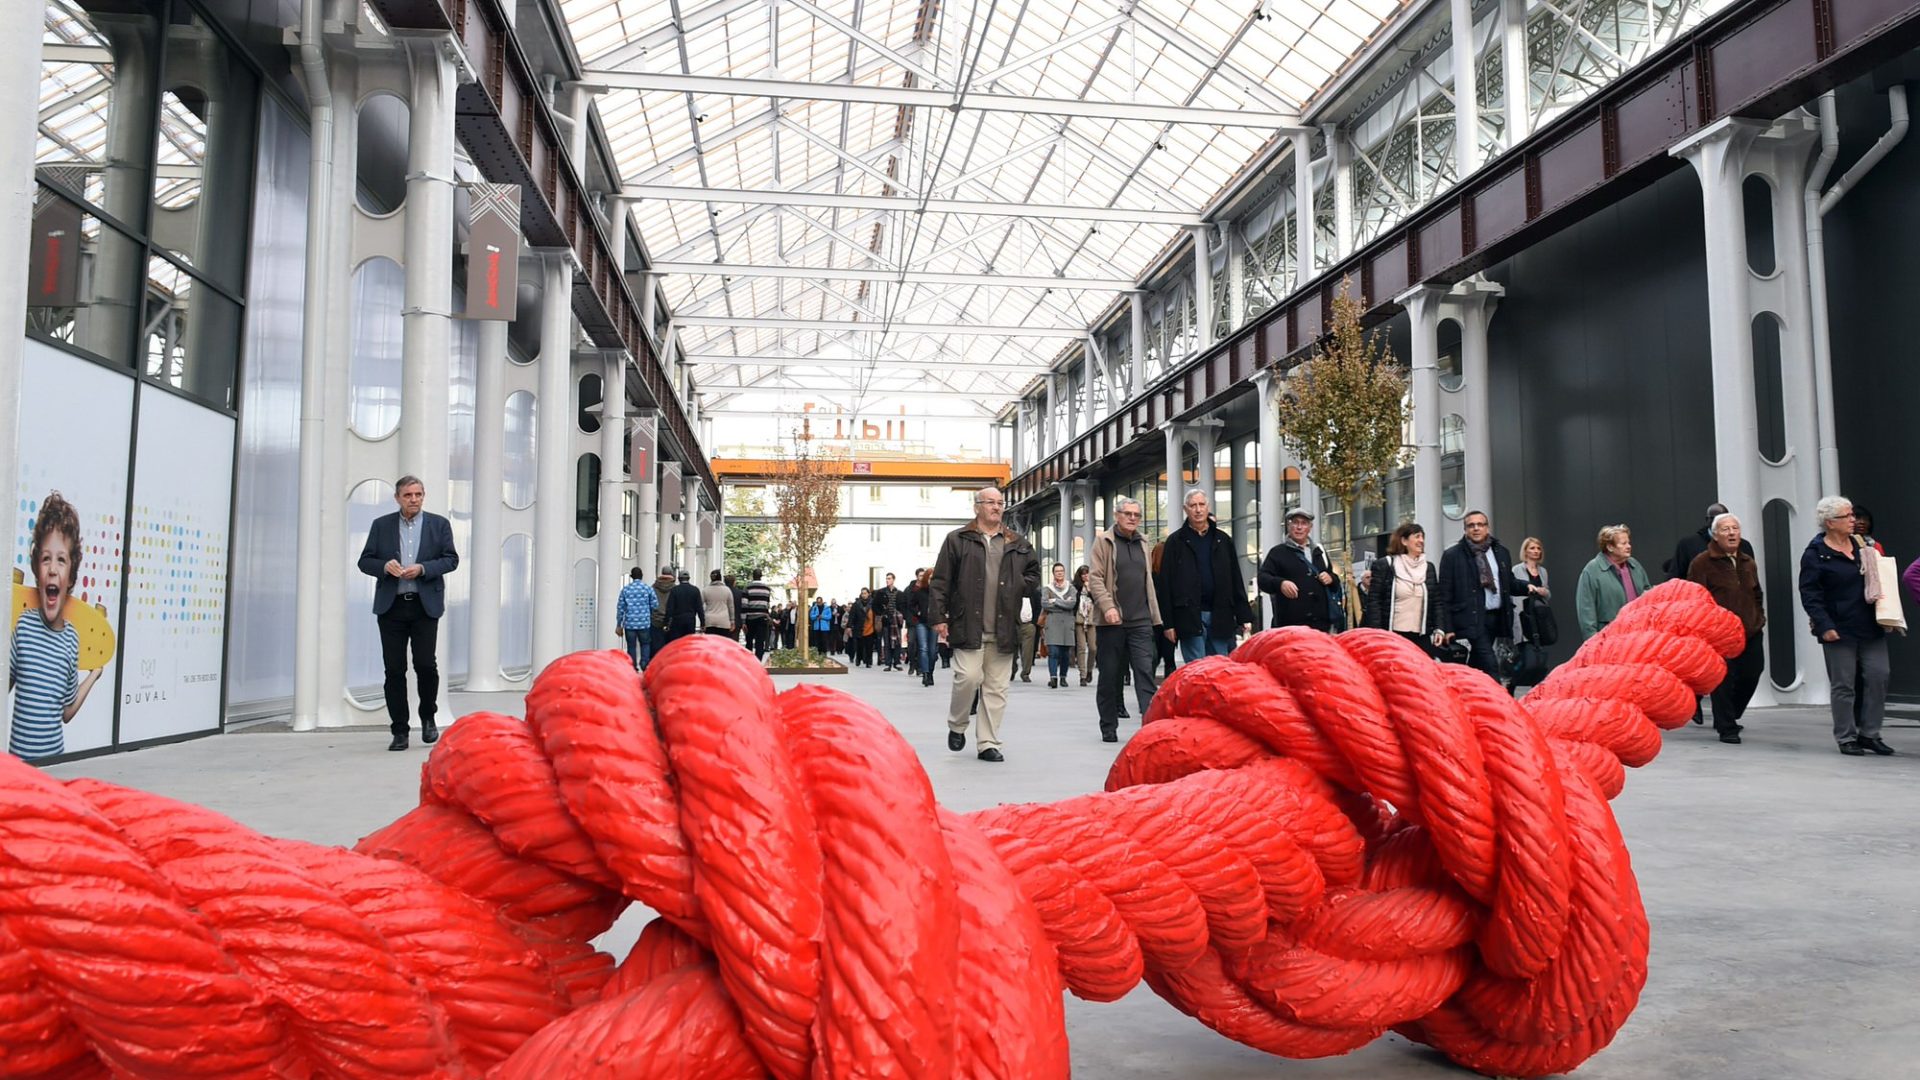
[{"x": 1309, "y": 843}]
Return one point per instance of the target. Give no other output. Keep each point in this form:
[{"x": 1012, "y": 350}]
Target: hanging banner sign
[
  {"x": 706, "y": 531},
  {"x": 670, "y": 491},
  {"x": 53, "y": 264},
  {"x": 493, "y": 251},
  {"x": 640, "y": 451}
]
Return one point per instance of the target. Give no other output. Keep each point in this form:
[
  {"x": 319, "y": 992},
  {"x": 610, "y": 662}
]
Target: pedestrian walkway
[{"x": 1782, "y": 880}]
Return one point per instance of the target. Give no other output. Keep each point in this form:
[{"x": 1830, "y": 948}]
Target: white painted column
[
  {"x": 1018, "y": 458},
  {"x": 1075, "y": 410},
  {"x": 20, "y": 98},
  {"x": 1241, "y": 486},
  {"x": 1718, "y": 154},
  {"x": 1048, "y": 435},
  {"x": 690, "y": 526},
  {"x": 1271, "y": 523},
  {"x": 576, "y": 101},
  {"x": 1466, "y": 92},
  {"x": 1303, "y": 238},
  {"x": 1203, "y": 283},
  {"x": 1137, "y": 339},
  {"x": 1516, "y": 70},
  {"x": 427, "y": 319},
  {"x": 1206, "y": 434},
  {"x": 1090, "y": 523},
  {"x": 649, "y": 312},
  {"x": 1090, "y": 416},
  {"x": 1423, "y": 312},
  {"x": 554, "y": 487},
  {"x": 1473, "y": 302},
  {"x": 613, "y": 487},
  {"x": 1176, "y": 484},
  {"x": 489, "y": 508},
  {"x": 1236, "y": 275},
  {"x": 1340, "y": 168},
  {"x": 319, "y": 663},
  {"x": 1063, "y": 536}
]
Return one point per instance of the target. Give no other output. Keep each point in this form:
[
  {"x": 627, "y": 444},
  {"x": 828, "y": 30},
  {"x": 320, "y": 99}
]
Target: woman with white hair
[
  {"x": 1610, "y": 582},
  {"x": 1733, "y": 578},
  {"x": 1839, "y": 584}
]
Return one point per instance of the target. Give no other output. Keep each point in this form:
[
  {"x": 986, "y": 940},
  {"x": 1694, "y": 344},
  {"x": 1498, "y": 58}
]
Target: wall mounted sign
[{"x": 493, "y": 251}]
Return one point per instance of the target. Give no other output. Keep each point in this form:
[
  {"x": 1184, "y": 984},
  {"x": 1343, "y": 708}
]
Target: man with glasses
[
  {"x": 1477, "y": 588},
  {"x": 979, "y": 577},
  {"x": 1125, "y": 611}
]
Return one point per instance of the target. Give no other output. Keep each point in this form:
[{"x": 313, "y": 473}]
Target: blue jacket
[
  {"x": 1834, "y": 593},
  {"x": 435, "y": 555}
]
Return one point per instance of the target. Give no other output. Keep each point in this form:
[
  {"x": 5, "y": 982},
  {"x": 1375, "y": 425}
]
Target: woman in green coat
[{"x": 1613, "y": 578}]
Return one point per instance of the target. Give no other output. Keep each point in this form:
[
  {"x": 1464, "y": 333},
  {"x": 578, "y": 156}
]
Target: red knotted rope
[{"x": 1309, "y": 843}]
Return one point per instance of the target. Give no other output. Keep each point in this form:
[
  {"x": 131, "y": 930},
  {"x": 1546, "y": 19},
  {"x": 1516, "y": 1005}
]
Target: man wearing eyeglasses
[
  {"x": 1125, "y": 611},
  {"x": 979, "y": 577}
]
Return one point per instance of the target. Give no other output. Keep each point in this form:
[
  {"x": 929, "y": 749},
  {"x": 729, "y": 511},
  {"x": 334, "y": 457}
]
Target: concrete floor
[{"x": 1781, "y": 879}]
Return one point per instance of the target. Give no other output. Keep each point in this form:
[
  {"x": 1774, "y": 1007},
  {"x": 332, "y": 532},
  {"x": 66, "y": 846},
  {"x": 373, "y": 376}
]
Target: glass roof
[{"x": 1203, "y": 54}]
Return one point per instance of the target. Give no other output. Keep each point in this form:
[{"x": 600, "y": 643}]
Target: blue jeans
[
  {"x": 1205, "y": 643},
  {"x": 923, "y": 641},
  {"x": 1059, "y": 662},
  {"x": 640, "y": 646}
]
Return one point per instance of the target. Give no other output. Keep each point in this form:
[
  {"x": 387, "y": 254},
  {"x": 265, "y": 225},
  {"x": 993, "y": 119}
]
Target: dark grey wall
[
  {"x": 1602, "y": 386},
  {"x": 1873, "y": 276}
]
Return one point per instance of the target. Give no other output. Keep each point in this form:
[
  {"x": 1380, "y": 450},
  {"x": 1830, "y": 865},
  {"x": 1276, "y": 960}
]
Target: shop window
[
  {"x": 203, "y": 169},
  {"x": 192, "y": 334},
  {"x": 83, "y": 280}
]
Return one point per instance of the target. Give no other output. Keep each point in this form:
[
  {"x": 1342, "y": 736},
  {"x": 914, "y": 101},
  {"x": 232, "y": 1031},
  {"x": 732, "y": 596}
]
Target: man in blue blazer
[{"x": 409, "y": 554}]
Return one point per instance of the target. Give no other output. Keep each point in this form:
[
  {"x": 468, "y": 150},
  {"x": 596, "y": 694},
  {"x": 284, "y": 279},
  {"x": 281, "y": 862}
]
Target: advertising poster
[
  {"x": 177, "y": 570},
  {"x": 68, "y": 532},
  {"x": 586, "y": 582}
]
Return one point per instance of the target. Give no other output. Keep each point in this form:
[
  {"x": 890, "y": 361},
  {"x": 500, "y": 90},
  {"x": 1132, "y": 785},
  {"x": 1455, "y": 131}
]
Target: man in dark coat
[
  {"x": 1207, "y": 591},
  {"x": 1298, "y": 577},
  {"x": 1692, "y": 544},
  {"x": 1477, "y": 588},
  {"x": 409, "y": 553},
  {"x": 982, "y": 572},
  {"x": 685, "y": 608}
]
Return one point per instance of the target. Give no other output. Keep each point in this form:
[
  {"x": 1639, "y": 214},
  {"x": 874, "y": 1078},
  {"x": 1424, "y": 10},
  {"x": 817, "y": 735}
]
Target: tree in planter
[
  {"x": 1344, "y": 414},
  {"x": 806, "y": 497},
  {"x": 750, "y": 546}
]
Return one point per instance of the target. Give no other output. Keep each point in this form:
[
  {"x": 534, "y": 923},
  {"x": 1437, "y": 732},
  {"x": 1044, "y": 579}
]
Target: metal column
[
  {"x": 1423, "y": 312},
  {"x": 554, "y": 487},
  {"x": 427, "y": 320},
  {"x": 1176, "y": 482},
  {"x": 1304, "y": 268},
  {"x": 489, "y": 476},
  {"x": 1466, "y": 94},
  {"x": 1203, "y": 284},
  {"x": 613, "y": 487}
]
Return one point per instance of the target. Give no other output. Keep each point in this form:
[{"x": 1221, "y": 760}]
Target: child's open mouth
[{"x": 50, "y": 597}]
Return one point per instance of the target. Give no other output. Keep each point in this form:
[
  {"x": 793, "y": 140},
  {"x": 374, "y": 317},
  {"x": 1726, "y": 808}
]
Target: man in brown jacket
[
  {"x": 1728, "y": 571},
  {"x": 1125, "y": 611},
  {"x": 978, "y": 579}
]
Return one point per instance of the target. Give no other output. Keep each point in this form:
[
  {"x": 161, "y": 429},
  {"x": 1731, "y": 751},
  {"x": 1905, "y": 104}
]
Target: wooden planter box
[{"x": 829, "y": 668}]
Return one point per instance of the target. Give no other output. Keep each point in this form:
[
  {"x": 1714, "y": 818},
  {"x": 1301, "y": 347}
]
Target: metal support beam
[
  {"x": 885, "y": 365},
  {"x": 1303, "y": 236},
  {"x": 909, "y": 277},
  {"x": 1068, "y": 333},
  {"x": 751, "y": 197},
  {"x": 1466, "y": 98},
  {"x": 920, "y": 98}
]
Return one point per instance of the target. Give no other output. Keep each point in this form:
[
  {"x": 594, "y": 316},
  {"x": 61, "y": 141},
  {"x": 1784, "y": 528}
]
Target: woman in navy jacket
[{"x": 1836, "y": 581}]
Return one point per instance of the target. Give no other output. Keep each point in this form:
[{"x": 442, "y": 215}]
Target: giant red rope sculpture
[{"x": 1310, "y": 843}]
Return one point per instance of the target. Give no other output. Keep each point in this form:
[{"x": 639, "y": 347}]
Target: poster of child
[{"x": 56, "y": 636}]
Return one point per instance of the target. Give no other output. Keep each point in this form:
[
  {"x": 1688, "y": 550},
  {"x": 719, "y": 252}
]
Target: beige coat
[{"x": 1100, "y": 580}]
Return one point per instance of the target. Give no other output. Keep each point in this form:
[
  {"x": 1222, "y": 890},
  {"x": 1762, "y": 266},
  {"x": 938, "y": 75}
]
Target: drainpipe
[
  {"x": 1817, "y": 207},
  {"x": 313, "y": 352}
]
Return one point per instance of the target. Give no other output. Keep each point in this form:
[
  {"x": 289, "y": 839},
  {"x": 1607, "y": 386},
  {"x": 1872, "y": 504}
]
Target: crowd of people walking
[{"x": 987, "y": 609}]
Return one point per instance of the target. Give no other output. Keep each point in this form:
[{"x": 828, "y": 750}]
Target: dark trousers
[
  {"x": 1117, "y": 648},
  {"x": 924, "y": 646},
  {"x": 1743, "y": 676},
  {"x": 407, "y": 625},
  {"x": 757, "y": 636},
  {"x": 640, "y": 646},
  {"x": 658, "y": 638},
  {"x": 720, "y": 631},
  {"x": 1482, "y": 642},
  {"x": 1163, "y": 649}
]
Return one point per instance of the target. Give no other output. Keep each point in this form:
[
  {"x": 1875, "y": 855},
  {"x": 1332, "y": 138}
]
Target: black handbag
[
  {"x": 1541, "y": 629},
  {"x": 1529, "y": 664}
]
